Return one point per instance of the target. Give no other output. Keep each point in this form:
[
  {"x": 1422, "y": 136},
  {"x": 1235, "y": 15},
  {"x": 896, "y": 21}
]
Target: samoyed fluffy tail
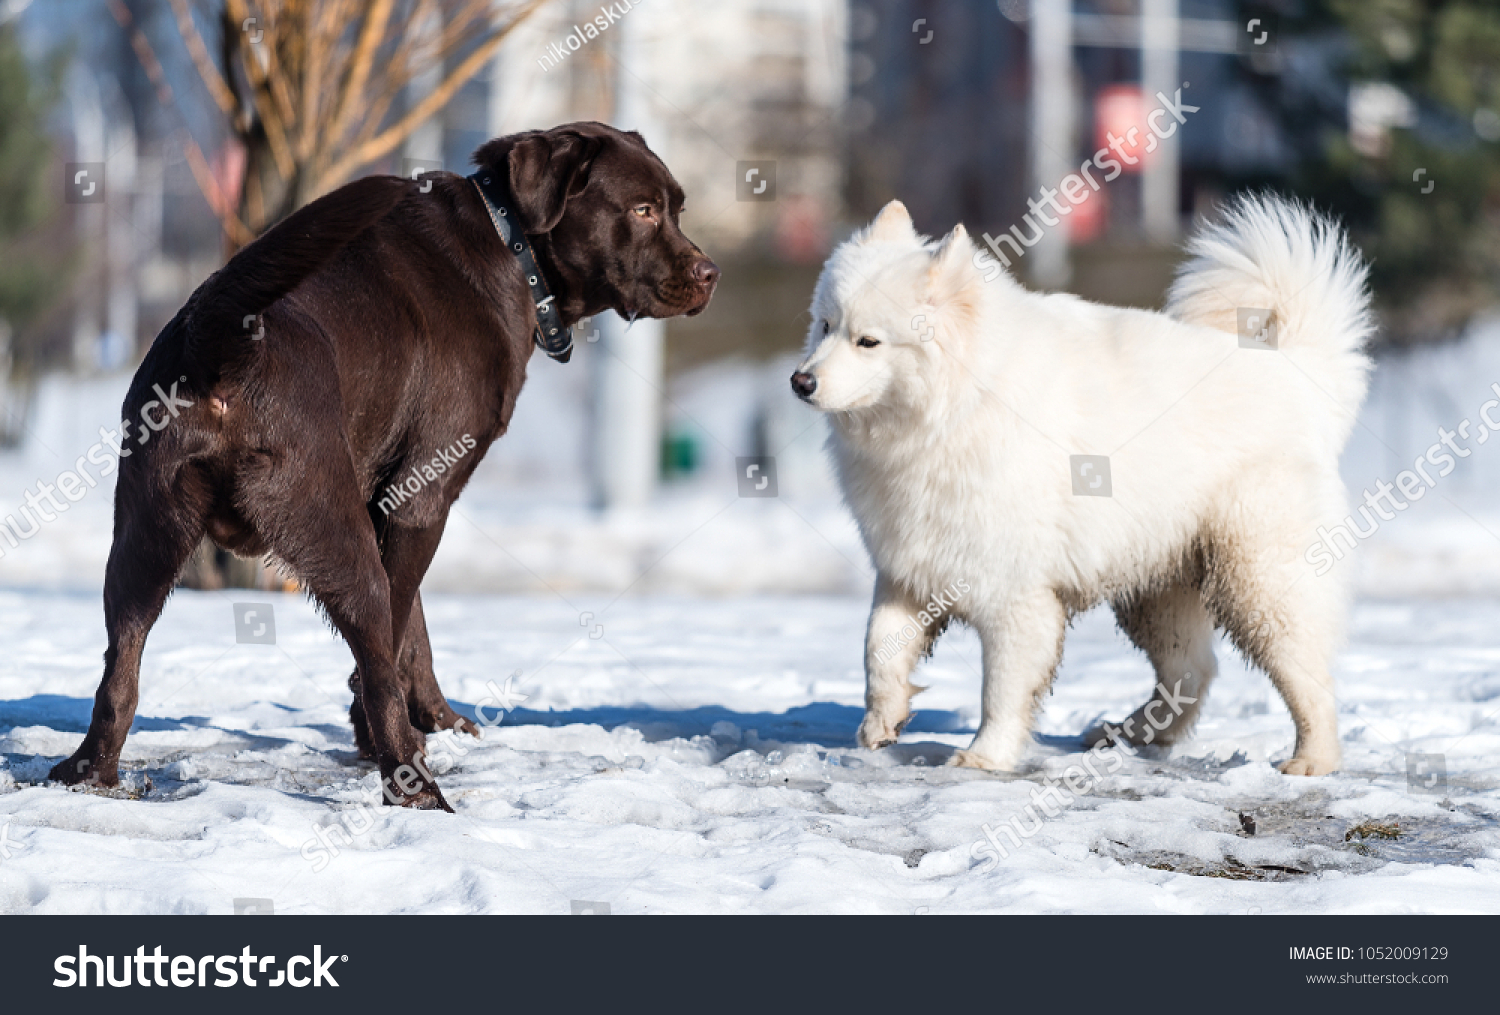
[{"x": 1269, "y": 253}]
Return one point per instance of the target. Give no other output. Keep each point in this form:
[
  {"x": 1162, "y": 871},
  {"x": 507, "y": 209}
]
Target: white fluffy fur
[{"x": 952, "y": 447}]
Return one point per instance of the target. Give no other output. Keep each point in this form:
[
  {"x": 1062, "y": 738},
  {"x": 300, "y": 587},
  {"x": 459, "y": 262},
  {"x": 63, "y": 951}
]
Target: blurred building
[
  {"x": 142, "y": 249},
  {"x": 711, "y": 87},
  {"x": 722, "y": 92},
  {"x": 965, "y": 110}
]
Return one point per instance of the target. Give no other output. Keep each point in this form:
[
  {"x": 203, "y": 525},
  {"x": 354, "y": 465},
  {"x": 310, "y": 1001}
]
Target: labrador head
[{"x": 602, "y": 212}]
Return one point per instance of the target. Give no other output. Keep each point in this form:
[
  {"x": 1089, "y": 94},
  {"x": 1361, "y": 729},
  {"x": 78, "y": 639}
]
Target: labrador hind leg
[
  {"x": 426, "y": 705},
  {"x": 425, "y": 701},
  {"x": 155, "y": 532},
  {"x": 330, "y": 543}
]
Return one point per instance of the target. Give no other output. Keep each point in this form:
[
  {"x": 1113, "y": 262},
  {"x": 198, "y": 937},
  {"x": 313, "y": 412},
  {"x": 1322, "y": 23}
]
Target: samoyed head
[{"x": 889, "y": 309}]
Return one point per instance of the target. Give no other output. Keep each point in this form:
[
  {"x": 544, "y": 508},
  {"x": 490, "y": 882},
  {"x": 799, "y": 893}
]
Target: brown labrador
[{"x": 340, "y": 351}]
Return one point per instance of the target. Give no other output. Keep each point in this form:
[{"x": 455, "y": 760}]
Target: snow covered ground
[
  {"x": 696, "y": 755},
  {"x": 693, "y": 681}
]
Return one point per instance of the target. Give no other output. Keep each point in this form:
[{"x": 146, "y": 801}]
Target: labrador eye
[
  {"x": 643, "y": 210},
  {"x": 867, "y": 343}
]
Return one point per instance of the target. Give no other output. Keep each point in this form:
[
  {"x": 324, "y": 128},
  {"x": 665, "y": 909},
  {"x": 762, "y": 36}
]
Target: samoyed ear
[
  {"x": 952, "y": 277},
  {"x": 892, "y": 225}
]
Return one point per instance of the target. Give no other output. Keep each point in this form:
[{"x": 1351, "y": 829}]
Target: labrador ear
[
  {"x": 892, "y": 225},
  {"x": 546, "y": 170}
]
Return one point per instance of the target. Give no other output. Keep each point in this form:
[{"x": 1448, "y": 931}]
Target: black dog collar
[{"x": 551, "y": 336}]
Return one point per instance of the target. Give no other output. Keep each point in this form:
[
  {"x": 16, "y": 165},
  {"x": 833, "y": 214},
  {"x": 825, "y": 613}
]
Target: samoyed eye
[
  {"x": 867, "y": 342},
  {"x": 827, "y": 327}
]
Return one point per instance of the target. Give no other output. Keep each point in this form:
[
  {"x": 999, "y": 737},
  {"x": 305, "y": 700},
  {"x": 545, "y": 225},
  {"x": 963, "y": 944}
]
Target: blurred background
[{"x": 143, "y": 141}]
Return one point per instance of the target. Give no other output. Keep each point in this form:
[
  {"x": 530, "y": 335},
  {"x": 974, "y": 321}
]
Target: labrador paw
[{"x": 83, "y": 770}]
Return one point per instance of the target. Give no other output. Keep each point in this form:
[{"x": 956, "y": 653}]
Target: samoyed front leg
[
  {"x": 894, "y": 643},
  {"x": 1022, "y": 647}
]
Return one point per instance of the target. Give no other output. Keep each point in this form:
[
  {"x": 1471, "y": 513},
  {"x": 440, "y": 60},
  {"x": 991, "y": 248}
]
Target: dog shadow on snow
[
  {"x": 71, "y": 715},
  {"x": 826, "y": 725},
  {"x": 63, "y": 714},
  {"x": 823, "y": 723}
]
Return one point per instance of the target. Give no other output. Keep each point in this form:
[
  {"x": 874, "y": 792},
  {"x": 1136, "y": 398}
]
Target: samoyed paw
[
  {"x": 1309, "y": 766},
  {"x": 969, "y": 759},
  {"x": 1101, "y": 734},
  {"x": 1133, "y": 730},
  {"x": 878, "y": 731}
]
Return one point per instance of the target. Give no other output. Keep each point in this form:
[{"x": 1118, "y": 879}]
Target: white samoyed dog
[{"x": 967, "y": 420}]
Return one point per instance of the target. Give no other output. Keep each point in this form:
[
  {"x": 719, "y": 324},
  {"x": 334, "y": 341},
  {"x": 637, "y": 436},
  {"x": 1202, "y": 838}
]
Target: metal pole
[
  {"x": 426, "y": 142},
  {"x": 89, "y": 145},
  {"x": 1051, "y": 128},
  {"x": 629, "y": 360},
  {"x": 1160, "y": 180}
]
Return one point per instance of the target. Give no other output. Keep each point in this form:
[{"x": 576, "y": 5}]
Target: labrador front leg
[
  {"x": 1022, "y": 645},
  {"x": 894, "y": 642}
]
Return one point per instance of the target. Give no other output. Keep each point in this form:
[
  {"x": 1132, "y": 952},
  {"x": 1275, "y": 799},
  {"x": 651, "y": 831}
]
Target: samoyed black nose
[{"x": 804, "y": 384}]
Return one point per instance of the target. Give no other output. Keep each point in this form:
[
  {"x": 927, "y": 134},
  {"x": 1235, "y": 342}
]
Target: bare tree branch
[
  {"x": 312, "y": 87},
  {"x": 322, "y": 77},
  {"x": 236, "y": 230},
  {"x": 217, "y": 201},
  {"x": 398, "y": 132},
  {"x": 370, "y": 36},
  {"x": 217, "y": 88},
  {"x": 143, "y": 52},
  {"x": 272, "y": 119}
]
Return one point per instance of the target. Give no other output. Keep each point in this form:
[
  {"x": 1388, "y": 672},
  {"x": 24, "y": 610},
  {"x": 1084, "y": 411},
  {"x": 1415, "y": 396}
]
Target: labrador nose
[
  {"x": 804, "y": 384},
  {"x": 706, "y": 274}
]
